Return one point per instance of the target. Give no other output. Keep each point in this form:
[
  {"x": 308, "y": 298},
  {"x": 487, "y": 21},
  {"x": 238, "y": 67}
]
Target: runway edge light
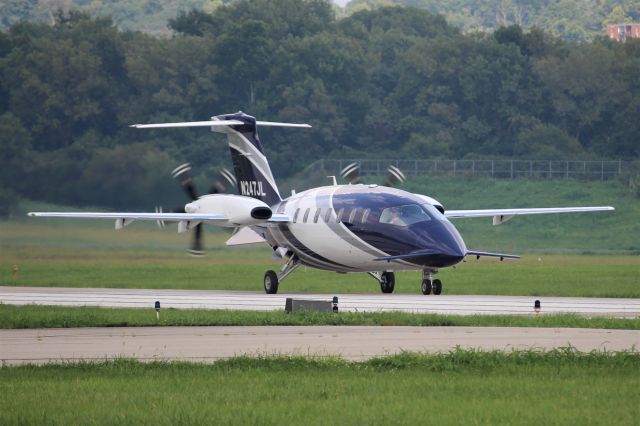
[
  {"x": 537, "y": 308},
  {"x": 157, "y": 306}
]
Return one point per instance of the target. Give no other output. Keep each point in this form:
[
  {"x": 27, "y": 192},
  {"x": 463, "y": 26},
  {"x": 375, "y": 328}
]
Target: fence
[{"x": 504, "y": 169}]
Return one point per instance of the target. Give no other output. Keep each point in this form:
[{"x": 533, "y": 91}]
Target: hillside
[
  {"x": 569, "y": 19},
  {"x": 150, "y": 16}
]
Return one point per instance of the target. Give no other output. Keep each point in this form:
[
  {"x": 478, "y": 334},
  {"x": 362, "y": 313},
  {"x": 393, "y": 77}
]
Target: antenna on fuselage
[{"x": 335, "y": 182}]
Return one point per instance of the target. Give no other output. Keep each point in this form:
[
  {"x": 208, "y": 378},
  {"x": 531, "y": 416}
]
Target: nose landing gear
[{"x": 429, "y": 284}]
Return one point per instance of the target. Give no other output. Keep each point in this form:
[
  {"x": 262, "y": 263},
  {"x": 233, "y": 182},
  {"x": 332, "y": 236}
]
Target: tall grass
[{"x": 557, "y": 387}]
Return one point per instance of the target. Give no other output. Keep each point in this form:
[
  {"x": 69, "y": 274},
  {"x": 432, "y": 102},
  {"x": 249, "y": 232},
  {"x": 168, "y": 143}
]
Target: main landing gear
[
  {"x": 273, "y": 280},
  {"x": 386, "y": 279},
  {"x": 429, "y": 284}
]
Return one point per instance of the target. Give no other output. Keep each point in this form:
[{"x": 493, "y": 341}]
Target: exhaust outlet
[{"x": 261, "y": 213}]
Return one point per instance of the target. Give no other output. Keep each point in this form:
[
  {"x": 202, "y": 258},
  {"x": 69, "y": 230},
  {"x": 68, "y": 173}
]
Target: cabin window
[
  {"x": 339, "y": 215},
  {"x": 365, "y": 215},
  {"x": 295, "y": 215},
  {"x": 404, "y": 215},
  {"x": 306, "y": 215},
  {"x": 317, "y": 215},
  {"x": 327, "y": 216},
  {"x": 353, "y": 214}
]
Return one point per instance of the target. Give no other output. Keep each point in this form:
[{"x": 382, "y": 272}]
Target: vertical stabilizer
[
  {"x": 249, "y": 160},
  {"x": 250, "y": 164}
]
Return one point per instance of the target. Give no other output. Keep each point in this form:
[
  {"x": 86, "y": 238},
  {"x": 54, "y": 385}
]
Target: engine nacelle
[{"x": 237, "y": 209}]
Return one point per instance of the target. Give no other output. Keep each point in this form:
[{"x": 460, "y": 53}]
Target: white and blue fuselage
[{"x": 349, "y": 228}]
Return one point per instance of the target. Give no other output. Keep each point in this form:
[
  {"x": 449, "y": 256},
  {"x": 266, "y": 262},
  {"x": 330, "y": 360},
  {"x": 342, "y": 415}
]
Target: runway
[
  {"x": 206, "y": 344},
  {"x": 254, "y": 301}
]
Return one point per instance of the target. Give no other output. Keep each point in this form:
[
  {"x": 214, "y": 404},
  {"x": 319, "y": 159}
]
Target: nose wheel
[
  {"x": 429, "y": 284},
  {"x": 271, "y": 282}
]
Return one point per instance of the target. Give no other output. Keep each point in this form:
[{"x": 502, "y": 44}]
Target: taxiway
[{"x": 208, "y": 344}]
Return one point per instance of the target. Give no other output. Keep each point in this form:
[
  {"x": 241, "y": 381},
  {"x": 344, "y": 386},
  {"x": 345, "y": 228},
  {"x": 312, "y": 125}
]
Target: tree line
[
  {"x": 570, "y": 19},
  {"x": 390, "y": 82}
]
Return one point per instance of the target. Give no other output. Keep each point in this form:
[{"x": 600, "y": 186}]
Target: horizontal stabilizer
[
  {"x": 479, "y": 254},
  {"x": 214, "y": 123}
]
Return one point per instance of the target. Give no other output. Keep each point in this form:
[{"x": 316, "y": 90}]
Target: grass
[
  {"x": 231, "y": 269},
  {"x": 557, "y": 387},
  {"x": 12, "y": 317}
]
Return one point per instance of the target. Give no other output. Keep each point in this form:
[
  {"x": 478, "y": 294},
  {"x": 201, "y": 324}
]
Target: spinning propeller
[
  {"x": 352, "y": 174},
  {"x": 183, "y": 175}
]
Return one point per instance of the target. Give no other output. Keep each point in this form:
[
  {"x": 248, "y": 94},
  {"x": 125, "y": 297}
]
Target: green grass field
[
  {"x": 12, "y": 317},
  {"x": 242, "y": 269},
  {"x": 558, "y": 387}
]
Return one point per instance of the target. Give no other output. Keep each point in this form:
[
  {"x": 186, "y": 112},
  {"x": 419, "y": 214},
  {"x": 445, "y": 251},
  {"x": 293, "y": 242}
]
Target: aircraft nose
[
  {"x": 191, "y": 208},
  {"x": 453, "y": 255},
  {"x": 456, "y": 250},
  {"x": 449, "y": 245}
]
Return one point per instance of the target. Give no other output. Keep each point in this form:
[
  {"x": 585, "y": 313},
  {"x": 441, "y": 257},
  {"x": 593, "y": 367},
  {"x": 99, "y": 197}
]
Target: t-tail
[{"x": 250, "y": 164}]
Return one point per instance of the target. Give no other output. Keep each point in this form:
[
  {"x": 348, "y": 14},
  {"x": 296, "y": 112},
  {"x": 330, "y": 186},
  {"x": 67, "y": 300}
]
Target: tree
[{"x": 14, "y": 151}]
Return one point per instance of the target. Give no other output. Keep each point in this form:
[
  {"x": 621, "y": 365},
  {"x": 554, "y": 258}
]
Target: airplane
[{"x": 356, "y": 227}]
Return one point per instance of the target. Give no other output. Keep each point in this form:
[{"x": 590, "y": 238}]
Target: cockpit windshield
[{"x": 405, "y": 215}]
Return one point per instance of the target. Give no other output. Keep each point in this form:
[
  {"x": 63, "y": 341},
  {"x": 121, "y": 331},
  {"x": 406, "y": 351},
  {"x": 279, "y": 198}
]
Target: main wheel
[
  {"x": 426, "y": 286},
  {"x": 437, "y": 287},
  {"x": 270, "y": 282},
  {"x": 388, "y": 282}
]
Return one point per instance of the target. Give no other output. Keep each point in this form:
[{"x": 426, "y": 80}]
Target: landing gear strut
[
  {"x": 386, "y": 279},
  {"x": 429, "y": 284},
  {"x": 273, "y": 280}
]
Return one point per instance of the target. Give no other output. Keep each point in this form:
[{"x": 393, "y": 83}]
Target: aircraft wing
[
  {"x": 134, "y": 216},
  {"x": 123, "y": 219},
  {"x": 503, "y": 215}
]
